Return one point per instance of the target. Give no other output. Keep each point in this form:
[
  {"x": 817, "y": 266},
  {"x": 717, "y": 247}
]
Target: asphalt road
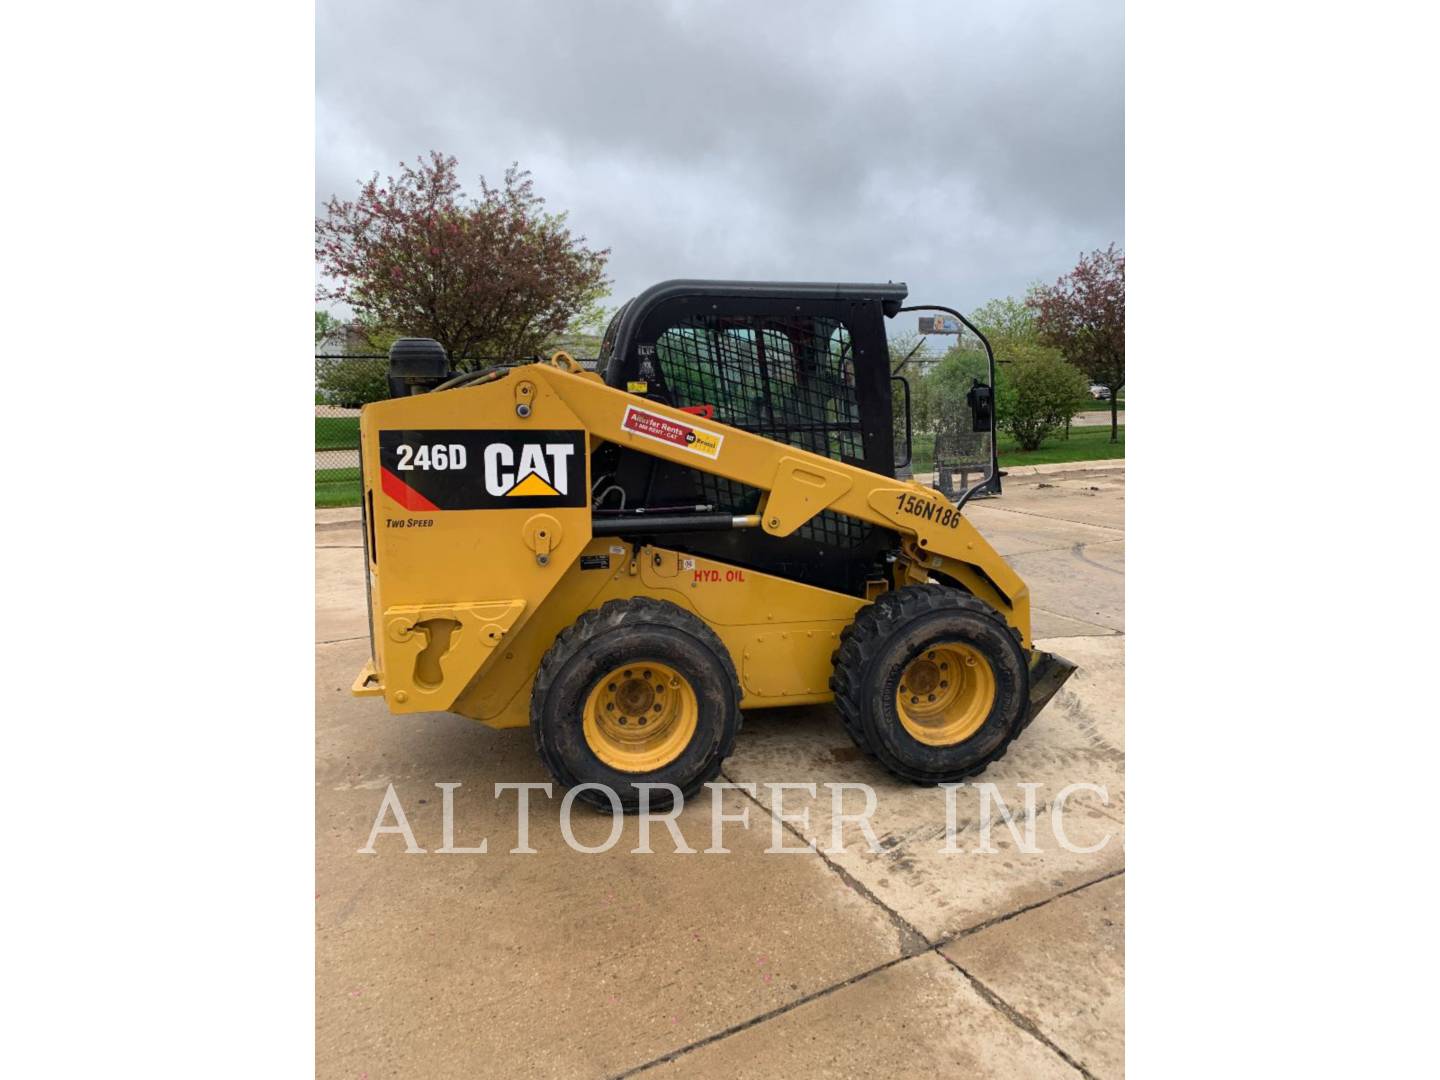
[
  {"x": 1095, "y": 418},
  {"x": 748, "y": 964}
]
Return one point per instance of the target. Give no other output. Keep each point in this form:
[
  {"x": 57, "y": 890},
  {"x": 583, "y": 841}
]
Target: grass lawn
[
  {"x": 337, "y": 432},
  {"x": 1084, "y": 444},
  {"x": 337, "y": 487}
]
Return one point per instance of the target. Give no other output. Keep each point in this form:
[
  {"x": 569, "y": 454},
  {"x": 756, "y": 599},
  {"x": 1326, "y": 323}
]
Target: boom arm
[{"x": 798, "y": 484}]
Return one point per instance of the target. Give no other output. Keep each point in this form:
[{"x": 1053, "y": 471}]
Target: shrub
[
  {"x": 349, "y": 382},
  {"x": 945, "y": 389},
  {"x": 1037, "y": 396}
]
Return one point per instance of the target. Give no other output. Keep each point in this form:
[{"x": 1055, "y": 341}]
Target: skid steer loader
[{"x": 625, "y": 559}]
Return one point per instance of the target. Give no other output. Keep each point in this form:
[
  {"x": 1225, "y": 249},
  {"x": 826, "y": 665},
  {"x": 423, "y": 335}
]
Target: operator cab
[{"x": 806, "y": 364}]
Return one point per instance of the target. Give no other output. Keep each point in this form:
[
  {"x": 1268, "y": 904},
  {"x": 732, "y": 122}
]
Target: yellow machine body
[{"x": 465, "y": 602}]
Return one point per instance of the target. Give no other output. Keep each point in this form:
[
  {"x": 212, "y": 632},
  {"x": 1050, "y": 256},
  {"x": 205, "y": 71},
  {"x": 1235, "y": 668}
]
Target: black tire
[
  {"x": 624, "y": 632},
  {"x": 882, "y": 641}
]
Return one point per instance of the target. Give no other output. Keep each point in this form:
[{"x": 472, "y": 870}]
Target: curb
[
  {"x": 1105, "y": 465},
  {"x": 339, "y": 517},
  {"x": 1010, "y": 472}
]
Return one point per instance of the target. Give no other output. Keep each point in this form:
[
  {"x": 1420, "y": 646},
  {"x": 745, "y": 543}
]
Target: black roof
[
  {"x": 891, "y": 295},
  {"x": 777, "y": 290}
]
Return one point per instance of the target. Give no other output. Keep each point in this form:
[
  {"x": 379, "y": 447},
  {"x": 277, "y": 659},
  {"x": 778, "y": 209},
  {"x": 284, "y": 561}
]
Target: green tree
[
  {"x": 490, "y": 276},
  {"x": 327, "y": 329},
  {"x": 906, "y": 353},
  {"x": 1083, "y": 315},
  {"x": 350, "y": 376},
  {"x": 1037, "y": 395},
  {"x": 948, "y": 384},
  {"x": 1008, "y": 324}
]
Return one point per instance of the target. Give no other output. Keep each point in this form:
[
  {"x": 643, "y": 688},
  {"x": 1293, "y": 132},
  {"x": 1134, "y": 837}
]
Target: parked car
[{"x": 1099, "y": 393}]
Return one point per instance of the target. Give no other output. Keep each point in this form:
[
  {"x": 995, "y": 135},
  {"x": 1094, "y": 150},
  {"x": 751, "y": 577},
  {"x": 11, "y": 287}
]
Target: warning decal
[{"x": 649, "y": 425}]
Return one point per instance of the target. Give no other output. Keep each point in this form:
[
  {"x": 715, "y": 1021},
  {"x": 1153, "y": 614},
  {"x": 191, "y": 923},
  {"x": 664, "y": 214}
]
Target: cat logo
[
  {"x": 542, "y": 470},
  {"x": 483, "y": 469}
]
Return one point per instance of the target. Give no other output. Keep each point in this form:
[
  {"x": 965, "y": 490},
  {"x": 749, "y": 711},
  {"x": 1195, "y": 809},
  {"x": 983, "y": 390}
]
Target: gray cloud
[{"x": 967, "y": 148}]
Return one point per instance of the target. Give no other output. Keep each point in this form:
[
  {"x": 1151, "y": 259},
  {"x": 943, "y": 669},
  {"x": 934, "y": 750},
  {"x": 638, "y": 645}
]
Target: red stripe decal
[{"x": 403, "y": 493}]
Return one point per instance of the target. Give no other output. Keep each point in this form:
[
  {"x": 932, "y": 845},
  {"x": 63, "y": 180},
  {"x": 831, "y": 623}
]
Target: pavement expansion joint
[
  {"x": 754, "y": 1021},
  {"x": 998, "y": 919},
  {"x": 912, "y": 941},
  {"x": 1019, "y": 1019}
]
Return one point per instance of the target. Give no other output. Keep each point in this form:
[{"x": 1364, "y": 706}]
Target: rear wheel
[
  {"x": 637, "y": 692},
  {"x": 932, "y": 682}
]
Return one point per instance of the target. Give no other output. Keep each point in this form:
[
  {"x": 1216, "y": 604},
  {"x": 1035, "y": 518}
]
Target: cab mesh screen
[{"x": 791, "y": 379}]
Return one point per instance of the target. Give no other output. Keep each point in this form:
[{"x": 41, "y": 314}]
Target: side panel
[
  {"x": 780, "y": 634},
  {"x": 476, "y": 513}
]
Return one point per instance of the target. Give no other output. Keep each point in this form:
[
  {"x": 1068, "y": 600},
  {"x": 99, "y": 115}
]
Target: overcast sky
[{"x": 967, "y": 148}]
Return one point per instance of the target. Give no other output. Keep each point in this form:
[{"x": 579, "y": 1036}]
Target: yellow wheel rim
[
  {"x": 945, "y": 693},
  {"x": 640, "y": 717}
]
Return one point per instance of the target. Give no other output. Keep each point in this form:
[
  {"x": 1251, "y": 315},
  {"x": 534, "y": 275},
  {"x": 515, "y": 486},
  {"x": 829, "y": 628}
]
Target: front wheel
[
  {"x": 932, "y": 682},
  {"x": 637, "y": 692}
]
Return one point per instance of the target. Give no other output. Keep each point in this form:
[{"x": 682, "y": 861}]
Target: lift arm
[{"x": 936, "y": 539}]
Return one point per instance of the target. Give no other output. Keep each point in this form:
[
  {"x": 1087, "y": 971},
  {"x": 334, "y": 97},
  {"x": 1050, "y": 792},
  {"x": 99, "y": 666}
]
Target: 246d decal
[{"x": 483, "y": 470}]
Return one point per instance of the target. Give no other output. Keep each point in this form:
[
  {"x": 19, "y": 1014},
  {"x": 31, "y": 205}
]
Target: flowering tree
[
  {"x": 493, "y": 276},
  {"x": 1083, "y": 315}
]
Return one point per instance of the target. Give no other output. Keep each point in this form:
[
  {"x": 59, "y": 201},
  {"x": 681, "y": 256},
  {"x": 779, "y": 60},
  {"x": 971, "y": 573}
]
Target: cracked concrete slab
[
  {"x": 918, "y": 1018},
  {"x": 1062, "y": 967},
  {"x": 339, "y": 592},
  {"x": 1084, "y": 581},
  {"x": 537, "y": 964},
  {"x": 1011, "y": 532},
  {"x": 1064, "y": 498},
  {"x": 1051, "y": 624},
  {"x": 1078, "y": 738},
  {"x": 553, "y": 964}
]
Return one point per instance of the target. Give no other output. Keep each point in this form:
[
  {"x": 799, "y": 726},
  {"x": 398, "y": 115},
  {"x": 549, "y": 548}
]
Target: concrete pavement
[{"x": 839, "y": 963}]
